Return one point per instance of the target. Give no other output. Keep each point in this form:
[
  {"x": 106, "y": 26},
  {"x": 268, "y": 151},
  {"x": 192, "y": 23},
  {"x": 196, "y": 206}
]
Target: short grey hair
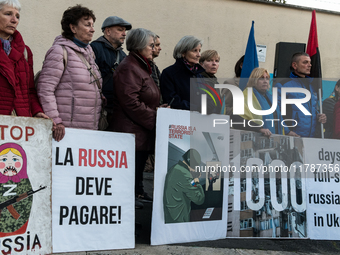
[
  {"x": 138, "y": 38},
  {"x": 296, "y": 56},
  {"x": 14, "y": 3},
  {"x": 186, "y": 43}
]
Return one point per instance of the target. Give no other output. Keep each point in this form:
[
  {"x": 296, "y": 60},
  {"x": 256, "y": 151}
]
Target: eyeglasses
[{"x": 152, "y": 46}]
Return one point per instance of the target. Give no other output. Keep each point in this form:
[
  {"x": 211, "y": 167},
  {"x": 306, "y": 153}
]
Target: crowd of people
[{"x": 82, "y": 83}]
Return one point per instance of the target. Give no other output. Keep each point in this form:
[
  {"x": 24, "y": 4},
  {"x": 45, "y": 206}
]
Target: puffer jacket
[
  {"x": 17, "y": 91},
  {"x": 136, "y": 98},
  {"x": 70, "y": 96},
  {"x": 306, "y": 124}
]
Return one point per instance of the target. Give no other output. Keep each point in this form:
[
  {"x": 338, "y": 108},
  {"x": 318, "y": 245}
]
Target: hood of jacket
[{"x": 102, "y": 39}]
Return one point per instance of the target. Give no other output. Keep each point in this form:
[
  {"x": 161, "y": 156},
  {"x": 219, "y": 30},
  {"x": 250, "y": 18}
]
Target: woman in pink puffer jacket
[{"x": 68, "y": 92}]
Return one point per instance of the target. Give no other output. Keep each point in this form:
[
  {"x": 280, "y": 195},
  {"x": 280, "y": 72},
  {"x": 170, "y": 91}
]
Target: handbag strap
[{"x": 81, "y": 56}]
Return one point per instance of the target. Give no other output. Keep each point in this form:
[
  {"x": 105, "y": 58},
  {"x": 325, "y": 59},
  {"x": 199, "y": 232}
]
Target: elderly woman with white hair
[
  {"x": 175, "y": 79},
  {"x": 136, "y": 100},
  {"x": 17, "y": 92}
]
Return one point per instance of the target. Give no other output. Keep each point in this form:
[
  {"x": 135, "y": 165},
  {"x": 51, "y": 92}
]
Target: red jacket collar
[{"x": 144, "y": 60}]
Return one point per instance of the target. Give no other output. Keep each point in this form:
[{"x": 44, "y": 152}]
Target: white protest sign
[
  {"x": 93, "y": 191},
  {"x": 189, "y": 205},
  {"x": 322, "y": 162}
]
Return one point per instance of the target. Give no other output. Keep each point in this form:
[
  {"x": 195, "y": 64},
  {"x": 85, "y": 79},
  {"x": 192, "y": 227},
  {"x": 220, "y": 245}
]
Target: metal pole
[{"x": 320, "y": 102}]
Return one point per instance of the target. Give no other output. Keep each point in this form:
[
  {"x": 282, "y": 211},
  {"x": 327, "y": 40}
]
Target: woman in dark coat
[
  {"x": 136, "y": 100},
  {"x": 175, "y": 79}
]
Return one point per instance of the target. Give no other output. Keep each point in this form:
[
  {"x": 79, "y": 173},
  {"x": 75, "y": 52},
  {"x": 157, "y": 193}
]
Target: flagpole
[
  {"x": 320, "y": 102},
  {"x": 250, "y": 59}
]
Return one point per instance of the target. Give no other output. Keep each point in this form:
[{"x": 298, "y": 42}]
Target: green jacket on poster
[{"x": 179, "y": 192}]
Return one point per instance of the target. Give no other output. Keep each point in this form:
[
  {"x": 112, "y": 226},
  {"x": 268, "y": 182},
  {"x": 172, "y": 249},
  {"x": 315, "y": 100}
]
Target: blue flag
[{"x": 250, "y": 59}]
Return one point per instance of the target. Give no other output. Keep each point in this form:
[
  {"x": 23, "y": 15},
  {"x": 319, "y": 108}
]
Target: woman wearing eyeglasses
[
  {"x": 136, "y": 100},
  {"x": 68, "y": 90}
]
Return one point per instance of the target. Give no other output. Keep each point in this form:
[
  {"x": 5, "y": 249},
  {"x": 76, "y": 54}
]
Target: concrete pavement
[{"x": 143, "y": 249}]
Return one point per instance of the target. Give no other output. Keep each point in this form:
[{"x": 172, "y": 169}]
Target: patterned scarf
[
  {"x": 193, "y": 68},
  {"x": 6, "y": 45}
]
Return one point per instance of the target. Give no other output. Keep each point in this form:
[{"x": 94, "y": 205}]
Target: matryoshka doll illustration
[{"x": 14, "y": 182}]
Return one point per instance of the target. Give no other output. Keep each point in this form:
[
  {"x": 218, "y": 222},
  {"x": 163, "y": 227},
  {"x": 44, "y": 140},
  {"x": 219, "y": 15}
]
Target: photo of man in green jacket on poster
[{"x": 182, "y": 187}]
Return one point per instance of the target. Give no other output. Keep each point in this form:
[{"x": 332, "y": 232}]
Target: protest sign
[
  {"x": 93, "y": 191},
  {"x": 267, "y": 198},
  {"x": 25, "y": 185},
  {"x": 322, "y": 162},
  {"x": 190, "y": 195}
]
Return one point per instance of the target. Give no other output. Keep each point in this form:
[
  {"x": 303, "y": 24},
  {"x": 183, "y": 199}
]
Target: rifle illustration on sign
[{"x": 10, "y": 202}]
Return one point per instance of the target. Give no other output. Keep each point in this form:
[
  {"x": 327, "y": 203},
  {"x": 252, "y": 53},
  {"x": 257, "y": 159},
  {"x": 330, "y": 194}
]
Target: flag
[
  {"x": 250, "y": 59},
  {"x": 315, "y": 72},
  {"x": 313, "y": 52}
]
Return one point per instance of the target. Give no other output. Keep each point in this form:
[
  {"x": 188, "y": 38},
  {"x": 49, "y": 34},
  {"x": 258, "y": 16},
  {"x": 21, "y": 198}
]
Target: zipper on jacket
[{"x": 72, "y": 109}]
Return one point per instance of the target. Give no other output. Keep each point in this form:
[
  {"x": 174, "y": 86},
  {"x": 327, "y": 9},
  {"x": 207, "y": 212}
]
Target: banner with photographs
[
  {"x": 190, "y": 195},
  {"x": 25, "y": 185},
  {"x": 93, "y": 191},
  {"x": 267, "y": 197},
  {"x": 322, "y": 163}
]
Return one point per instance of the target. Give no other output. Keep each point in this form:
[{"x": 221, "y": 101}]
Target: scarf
[
  {"x": 193, "y": 68},
  {"x": 266, "y": 103},
  {"x": 6, "y": 45},
  {"x": 146, "y": 61},
  {"x": 79, "y": 43}
]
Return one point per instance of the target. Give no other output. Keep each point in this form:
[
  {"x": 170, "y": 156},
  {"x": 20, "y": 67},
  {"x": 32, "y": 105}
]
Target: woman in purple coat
[{"x": 136, "y": 100}]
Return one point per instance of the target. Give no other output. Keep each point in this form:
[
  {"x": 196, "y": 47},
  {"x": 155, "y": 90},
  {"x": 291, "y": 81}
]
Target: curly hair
[{"x": 72, "y": 16}]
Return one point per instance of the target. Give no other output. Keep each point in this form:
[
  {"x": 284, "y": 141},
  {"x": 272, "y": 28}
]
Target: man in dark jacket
[
  {"x": 306, "y": 124},
  {"x": 109, "y": 54}
]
